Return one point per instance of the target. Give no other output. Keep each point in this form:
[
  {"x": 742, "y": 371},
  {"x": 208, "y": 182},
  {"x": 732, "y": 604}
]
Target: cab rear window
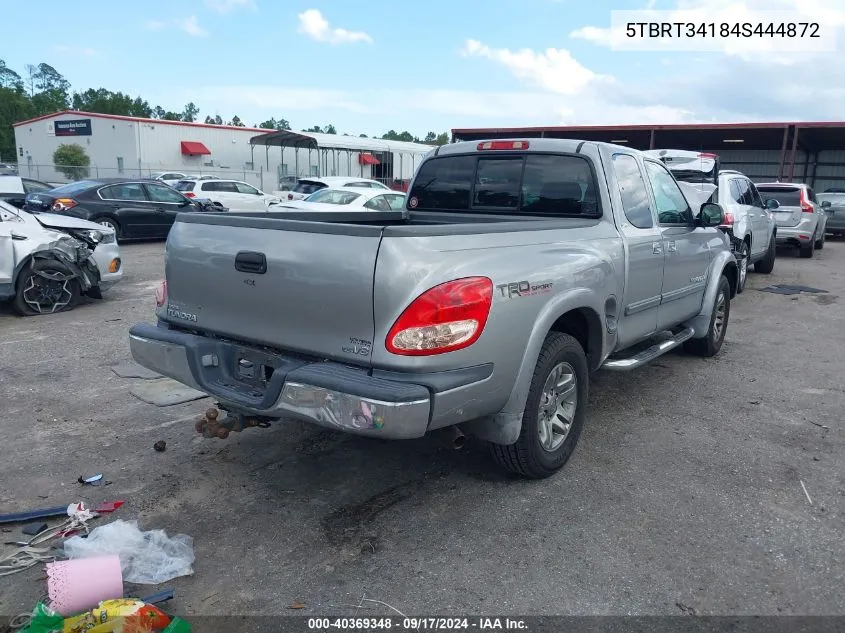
[{"x": 529, "y": 184}]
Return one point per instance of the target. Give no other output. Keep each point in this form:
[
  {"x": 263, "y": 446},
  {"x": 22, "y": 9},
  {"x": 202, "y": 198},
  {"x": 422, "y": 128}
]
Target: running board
[{"x": 649, "y": 354}]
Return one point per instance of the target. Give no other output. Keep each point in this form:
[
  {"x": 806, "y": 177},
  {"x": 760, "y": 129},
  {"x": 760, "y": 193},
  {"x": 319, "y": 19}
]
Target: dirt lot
[{"x": 684, "y": 493}]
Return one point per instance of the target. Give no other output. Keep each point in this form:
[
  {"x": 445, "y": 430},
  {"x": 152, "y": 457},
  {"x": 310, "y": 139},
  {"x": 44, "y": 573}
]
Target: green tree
[
  {"x": 330, "y": 129},
  {"x": 108, "y": 102},
  {"x": 171, "y": 116},
  {"x": 50, "y": 90},
  {"x": 189, "y": 114},
  {"x": 442, "y": 139},
  {"x": 363, "y": 136},
  {"x": 158, "y": 112},
  {"x": 9, "y": 78},
  {"x": 71, "y": 160},
  {"x": 273, "y": 124},
  {"x": 315, "y": 129},
  {"x": 236, "y": 121},
  {"x": 393, "y": 135},
  {"x": 430, "y": 137},
  {"x": 14, "y": 106}
]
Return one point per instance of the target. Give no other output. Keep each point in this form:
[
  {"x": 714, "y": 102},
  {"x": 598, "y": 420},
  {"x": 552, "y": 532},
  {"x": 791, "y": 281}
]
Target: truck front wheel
[{"x": 554, "y": 412}]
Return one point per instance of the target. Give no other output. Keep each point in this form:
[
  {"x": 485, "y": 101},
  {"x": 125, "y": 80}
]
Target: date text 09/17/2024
[{"x": 418, "y": 624}]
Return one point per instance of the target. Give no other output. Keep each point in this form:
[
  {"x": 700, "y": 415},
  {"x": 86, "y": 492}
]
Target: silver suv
[
  {"x": 748, "y": 223},
  {"x": 800, "y": 219}
]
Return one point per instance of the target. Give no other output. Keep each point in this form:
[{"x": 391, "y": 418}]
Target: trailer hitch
[{"x": 210, "y": 426}]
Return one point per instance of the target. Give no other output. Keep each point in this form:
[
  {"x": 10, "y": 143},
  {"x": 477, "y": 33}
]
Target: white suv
[
  {"x": 306, "y": 186},
  {"x": 234, "y": 194}
]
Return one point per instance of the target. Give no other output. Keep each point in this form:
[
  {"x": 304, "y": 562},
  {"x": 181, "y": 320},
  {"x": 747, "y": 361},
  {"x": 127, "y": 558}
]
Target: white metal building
[{"x": 120, "y": 146}]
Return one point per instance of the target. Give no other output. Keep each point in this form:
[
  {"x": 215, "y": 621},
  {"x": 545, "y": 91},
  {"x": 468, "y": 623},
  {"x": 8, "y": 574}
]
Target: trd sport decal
[{"x": 524, "y": 288}]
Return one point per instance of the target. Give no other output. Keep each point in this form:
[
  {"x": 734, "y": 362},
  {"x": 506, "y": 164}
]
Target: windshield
[
  {"x": 834, "y": 198},
  {"x": 184, "y": 185},
  {"x": 332, "y": 196}
]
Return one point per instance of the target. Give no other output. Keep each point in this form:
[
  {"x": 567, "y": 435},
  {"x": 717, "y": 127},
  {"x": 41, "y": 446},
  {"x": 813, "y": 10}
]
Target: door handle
[
  {"x": 657, "y": 248},
  {"x": 251, "y": 262},
  {"x": 671, "y": 247}
]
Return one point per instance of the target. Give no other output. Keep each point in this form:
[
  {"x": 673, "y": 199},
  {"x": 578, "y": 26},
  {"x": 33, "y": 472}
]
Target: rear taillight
[
  {"x": 63, "y": 204},
  {"x": 806, "y": 205},
  {"x": 290, "y": 196},
  {"x": 189, "y": 194},
  {"x": 445, "y": 318},
  {"x": 161, "y": 294},
  {"x": 708, "y": 155},
  {"x": 489, "y": 145},
  {"x": 728, "y": 220}
]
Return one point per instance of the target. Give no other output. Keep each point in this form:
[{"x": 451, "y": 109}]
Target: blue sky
[{"x": 369, "y": 67}]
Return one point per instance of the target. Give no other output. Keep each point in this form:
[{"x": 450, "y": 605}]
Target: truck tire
[
  {"x": 820, "y": 242},
  {"x": 36, "y": 294},
  {"x": 712, "y": 343},
  {"x": 767, "y": 264},
  {"x": 554, "y": 412},
  {"x": 742, "y": 264}
]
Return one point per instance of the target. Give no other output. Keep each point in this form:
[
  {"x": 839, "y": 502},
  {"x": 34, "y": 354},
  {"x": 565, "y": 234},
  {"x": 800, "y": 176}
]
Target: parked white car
[
  {"x": 306, "y": 186},
  {"x": 200, "y": 177},
  {"x": 349, "y": 199},
  {"x": 47, "y": 261},
  {"x": 168, "y": 177},
  {"x": 234, "y": 194}
]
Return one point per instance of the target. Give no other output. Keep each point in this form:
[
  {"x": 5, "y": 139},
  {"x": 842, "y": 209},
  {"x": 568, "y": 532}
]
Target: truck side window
[
  {"x": 633, "y": 191},
  {"x": 672, "y": 206}
]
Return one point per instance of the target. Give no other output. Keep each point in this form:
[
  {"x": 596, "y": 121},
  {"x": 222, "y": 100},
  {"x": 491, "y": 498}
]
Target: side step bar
[{"x": 649, "y": 354}]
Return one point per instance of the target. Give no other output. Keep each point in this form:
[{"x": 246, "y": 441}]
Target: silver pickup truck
[{"x": 517, "y": 269}]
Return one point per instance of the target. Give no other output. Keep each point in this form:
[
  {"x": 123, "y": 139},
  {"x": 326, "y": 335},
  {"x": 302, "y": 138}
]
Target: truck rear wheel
[
  {"x": 554, "y": 412},
  {"x": 712, "y": 343}
]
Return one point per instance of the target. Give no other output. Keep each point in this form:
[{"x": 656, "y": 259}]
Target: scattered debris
[
  {"x": 34, "y": 529},
  {"x": 146, "y": 558},
  {"x": 79, "y": 585},
  {"x": 158, "y": 598},
  {"x": 108, "y": 506},
  {"x": 296, "y": 605},
  {"x": 816, "y": 458},
  {"x": 34, "y": 514},
  {"x": 688, "y": 610},
  {"x": 806, "y": 494},
  {"x": 178, "y": 625},
  {"x": 160, "y": 446},
  {"x": 786, "y": 289},
  {"x": 754, "y": 401},
  {"x": 93, "y": 480},
  {"x": 210, "y": 596},
  {"x": 819, "y": 424}
]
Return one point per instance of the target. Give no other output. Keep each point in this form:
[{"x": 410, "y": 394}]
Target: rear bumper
[
  {"x": 329, "y": 394},
  {"x": 802, "y": 233}
]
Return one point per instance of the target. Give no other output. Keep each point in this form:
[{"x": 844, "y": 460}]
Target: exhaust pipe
[{"x": 454, "y": 438}]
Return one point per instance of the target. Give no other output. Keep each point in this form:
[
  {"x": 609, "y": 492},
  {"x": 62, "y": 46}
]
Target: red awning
[
  {"x": 194, "y": 148},
  {"x": 368, "y": 159}
]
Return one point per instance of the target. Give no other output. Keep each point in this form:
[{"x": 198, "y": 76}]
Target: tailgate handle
[{"x": 251, "y": 262}]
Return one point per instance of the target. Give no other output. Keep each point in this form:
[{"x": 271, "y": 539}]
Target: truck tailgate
[{"x": 298, "y": 290}]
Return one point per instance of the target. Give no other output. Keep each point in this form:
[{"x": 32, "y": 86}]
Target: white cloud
[
  {"x": 189, "y": 25},
  {"x": 553, "y": 69},
  {"x": 314, "y": 25},
  {"x": 227, "y": 6}
]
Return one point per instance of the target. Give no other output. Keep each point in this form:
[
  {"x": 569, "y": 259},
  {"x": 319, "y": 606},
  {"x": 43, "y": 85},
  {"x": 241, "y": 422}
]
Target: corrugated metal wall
[{"x": 764, "y": 165}]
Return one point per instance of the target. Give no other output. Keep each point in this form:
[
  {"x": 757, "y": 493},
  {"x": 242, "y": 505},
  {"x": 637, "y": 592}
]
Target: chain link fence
[{"x": 264, "y": 180}]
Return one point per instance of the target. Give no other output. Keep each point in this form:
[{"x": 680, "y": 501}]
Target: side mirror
[
  {"x": 772, "y": 204},
  {"x": 711, "y": 214},
  {"x": 826, "y": 204}
]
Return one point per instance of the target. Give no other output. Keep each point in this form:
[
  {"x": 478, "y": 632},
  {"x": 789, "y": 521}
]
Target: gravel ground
[{"x": 683, "y": 496}]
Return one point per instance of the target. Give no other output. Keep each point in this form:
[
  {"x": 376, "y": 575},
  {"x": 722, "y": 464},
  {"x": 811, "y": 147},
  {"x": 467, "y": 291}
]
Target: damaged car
[{"x": 48, "y": 262}]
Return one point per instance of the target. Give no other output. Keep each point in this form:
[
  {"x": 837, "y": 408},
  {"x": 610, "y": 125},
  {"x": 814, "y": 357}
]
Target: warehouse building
[
  {"x": 812, "y": 153},
  {"x": 131, "y": 147}
]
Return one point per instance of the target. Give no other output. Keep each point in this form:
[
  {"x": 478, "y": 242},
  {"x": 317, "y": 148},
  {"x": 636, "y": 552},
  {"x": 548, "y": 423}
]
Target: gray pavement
[{"x": 684, "y": 492}]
